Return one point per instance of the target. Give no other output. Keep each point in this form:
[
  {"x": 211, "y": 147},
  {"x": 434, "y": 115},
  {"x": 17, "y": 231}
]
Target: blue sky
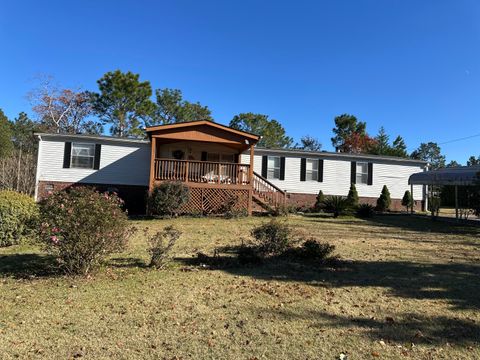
[{"x": 411, "y": 66}]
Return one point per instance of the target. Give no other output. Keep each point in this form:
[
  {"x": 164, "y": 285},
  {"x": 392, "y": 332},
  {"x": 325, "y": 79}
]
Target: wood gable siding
[{"x": 337, "y": 173}]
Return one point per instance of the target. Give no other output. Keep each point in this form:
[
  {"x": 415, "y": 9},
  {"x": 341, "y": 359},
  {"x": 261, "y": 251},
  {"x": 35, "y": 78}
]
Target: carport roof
[{"x": 461, "y": 175}]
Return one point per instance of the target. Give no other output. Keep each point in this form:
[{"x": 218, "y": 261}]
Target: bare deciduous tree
[{"x": 62, "y": 110}]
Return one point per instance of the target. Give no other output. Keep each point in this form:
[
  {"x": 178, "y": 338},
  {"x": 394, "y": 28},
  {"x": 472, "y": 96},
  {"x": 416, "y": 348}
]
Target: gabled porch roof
[{"x": 203, "y": 131}]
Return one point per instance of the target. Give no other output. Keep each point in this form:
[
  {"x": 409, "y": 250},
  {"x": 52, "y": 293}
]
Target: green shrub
[
  {"x": 384, "y": 201},
  {"x": 352, "y": 197},
  {"x": 336, "y": 205},
  {"x": 314, "y": 250},
  {"x": 161, "y": 243},
  {"x": 273, "y": 238},
  {"x": 319, "y": 201},
  {"x": 18, "y": 217},
  {"x": 434, "y": 205},
  {"x": 167, "y": 198},
  {"x": 407, "y": 200},
  {"x": 81, "y": 227},
  {"x": 365, "y": 211}
]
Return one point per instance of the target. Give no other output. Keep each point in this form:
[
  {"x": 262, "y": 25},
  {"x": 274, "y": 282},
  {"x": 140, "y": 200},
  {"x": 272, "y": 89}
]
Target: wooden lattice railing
[
  {"x": 268, "y": 192},
  {"x": 201, "y": 172}
]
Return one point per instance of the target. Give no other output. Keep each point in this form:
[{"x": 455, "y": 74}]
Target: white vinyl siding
[
  {"x": 311, "y": 171},
  {"x": 273, "y": 167},
  {"x": 337, "y": 176},
  {"x": 121, "y": 163},
  {"x": 362, "y": 173}
]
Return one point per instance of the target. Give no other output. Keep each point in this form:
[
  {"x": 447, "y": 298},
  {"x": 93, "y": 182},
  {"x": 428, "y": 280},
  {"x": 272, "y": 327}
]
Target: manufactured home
[{"x": 219, "y": 165}]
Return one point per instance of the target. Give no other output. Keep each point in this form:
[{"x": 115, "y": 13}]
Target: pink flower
[
  {"x": 55, "y": 230},
  {"x": 54, "y": 239}
]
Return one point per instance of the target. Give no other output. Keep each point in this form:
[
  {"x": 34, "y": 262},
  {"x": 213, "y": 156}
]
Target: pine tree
[
  {"x": 319, "y": 201},
  {"x": 6, "y": 145},
  {"x": 384, "y": 201},
  {"x": 352, "y": 196},
  {"x": 399, "y": 148},
  {"x": 407, "y": 200}
]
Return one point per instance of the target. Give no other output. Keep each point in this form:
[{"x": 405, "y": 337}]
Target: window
[
  {"x": 311, "y": 170},
  {"x": 362, "y": 173},
  {"x": 215, "y": 157},
  {"x": 83, "y": 156},
  {"x": 273, "y": 167}
]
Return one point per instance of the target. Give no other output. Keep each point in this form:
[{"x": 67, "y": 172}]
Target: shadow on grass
[
  {"x": 408, "y": 328},
  {"x": 456, "y": 283},
  {"x": 409, "y": 223},
  {"x": 26, "y": 266},
  {"x": 127, "y": 262}
]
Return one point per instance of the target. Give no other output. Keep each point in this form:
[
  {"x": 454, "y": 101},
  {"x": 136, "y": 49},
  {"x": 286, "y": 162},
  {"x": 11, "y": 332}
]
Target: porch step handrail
[{"x": 268, "y": 192}]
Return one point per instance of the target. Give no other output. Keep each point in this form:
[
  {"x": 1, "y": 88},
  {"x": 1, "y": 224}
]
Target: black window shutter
[
  {"x": 370, "y": 174},
  {"x": 320, "y": 170},
  {"x": 303, "y": 169},
  {"x": 353, "y": 173},
  {"x": 67, "y": 151},
  {"x": 237, "y": 157},
  {"x": 96, "y": 161},
  {"x": 204, "y": 156},
  {"x": 264, "y": 166},
  {"x": 282, "y": 168}
]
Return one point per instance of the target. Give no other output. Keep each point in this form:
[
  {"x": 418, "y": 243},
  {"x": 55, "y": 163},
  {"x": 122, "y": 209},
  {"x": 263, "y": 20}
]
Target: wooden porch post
[
  {"x": 250, "y": 181},
  {"x": 152, "y": 163},
  {"x": 250, "y": 171}
]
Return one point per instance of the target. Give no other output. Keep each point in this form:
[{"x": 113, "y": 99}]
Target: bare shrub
[{"x": 161, "y": 244}]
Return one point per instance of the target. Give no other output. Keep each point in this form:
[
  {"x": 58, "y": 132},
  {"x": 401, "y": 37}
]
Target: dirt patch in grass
[{"x": 406, "y": 288}]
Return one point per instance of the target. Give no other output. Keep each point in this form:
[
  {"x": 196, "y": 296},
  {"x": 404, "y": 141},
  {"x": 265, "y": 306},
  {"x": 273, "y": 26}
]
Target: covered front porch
[{"x": 207, "y": 157}]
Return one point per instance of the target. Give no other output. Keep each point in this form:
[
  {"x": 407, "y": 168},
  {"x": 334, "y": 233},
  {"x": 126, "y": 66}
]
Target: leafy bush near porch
[
  {"x": 161, "y": 244},
  {"x": 272, "y": 238},
  {"x": 82, "y": 226},
  {"x": 336, "y": 205},
  {"x": 167, "y": 198},
  {"x": 18, "y": 217}
]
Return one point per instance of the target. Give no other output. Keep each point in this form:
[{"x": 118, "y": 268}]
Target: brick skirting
[
  {"x": 308, "y": 200},
  {"x": 133, "y": 195}
]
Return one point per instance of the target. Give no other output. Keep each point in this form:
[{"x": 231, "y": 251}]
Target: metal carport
[{"x": 456, "y": 176}]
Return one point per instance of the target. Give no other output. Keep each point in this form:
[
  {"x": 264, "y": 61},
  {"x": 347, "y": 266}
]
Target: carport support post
[
  {"x": 456, "y": 202},
  {"x": 413, "y": 201}
]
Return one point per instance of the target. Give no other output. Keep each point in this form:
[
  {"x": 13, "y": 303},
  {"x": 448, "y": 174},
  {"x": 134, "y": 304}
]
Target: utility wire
[{"x": 459, "y": 139}]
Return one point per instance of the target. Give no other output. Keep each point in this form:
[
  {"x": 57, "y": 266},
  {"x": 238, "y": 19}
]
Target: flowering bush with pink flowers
[{"x": 82, "y": 226}]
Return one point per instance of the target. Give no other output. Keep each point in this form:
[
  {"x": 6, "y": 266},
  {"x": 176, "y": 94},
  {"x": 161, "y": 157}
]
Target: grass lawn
[{"x": 405, "y": 288}]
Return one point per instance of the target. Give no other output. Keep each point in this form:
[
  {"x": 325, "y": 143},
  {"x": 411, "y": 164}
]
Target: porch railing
[{"x": 201, "y": 172}]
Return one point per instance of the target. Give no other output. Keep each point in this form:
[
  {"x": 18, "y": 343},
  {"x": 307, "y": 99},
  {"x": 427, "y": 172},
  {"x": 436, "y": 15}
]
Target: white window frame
[
  {"x": 311, "y": 175},
  {"x": 72, "y": 156},
  {"x": 360, "y": 176},
  {"x": 274, "y": 169}
]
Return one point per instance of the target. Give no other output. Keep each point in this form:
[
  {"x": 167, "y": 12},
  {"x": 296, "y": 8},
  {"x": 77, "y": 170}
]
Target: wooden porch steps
[{"x": 266, "y": 196}]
